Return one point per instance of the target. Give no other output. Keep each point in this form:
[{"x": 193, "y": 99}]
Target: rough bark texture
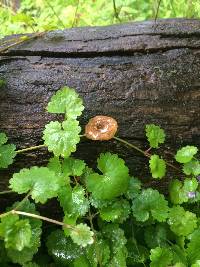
[{"x": 138, "y": 73}]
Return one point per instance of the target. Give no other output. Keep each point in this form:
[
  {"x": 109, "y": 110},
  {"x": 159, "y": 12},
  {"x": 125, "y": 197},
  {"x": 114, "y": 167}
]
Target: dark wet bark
[{"x": 138, "y": 73}]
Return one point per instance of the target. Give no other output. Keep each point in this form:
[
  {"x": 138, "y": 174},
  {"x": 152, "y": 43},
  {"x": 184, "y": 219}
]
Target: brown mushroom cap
[{"x": 101, "y": 128}]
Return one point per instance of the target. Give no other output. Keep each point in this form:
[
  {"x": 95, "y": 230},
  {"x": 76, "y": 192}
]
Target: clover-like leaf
[
  {"x": 182, "y": 222},
  {"x": 113, "y": 182},
  {"x": 157, "y": 166},
  {"x": 67, "y": 101},
  {"x": 160, "y": 257},
  {"x": 62, "y": 138},
  {"x": 82, "y": 235},
  {"x": 192, "y": 167},
  {"x": 16, "y": 233},
  {"x": 150, "y": 202},
  {"x": 155, "y": 135},
  {"x": 185, "y": 154},
  {"x": 40, "y": 181},
  {"x": 7, "y": 152}
]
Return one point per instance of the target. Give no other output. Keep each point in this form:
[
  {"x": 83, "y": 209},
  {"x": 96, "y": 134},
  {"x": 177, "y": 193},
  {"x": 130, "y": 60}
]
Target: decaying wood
[{"x": 138, "y": 73}]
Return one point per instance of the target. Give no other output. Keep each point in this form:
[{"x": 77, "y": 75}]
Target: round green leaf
[
  {"x": 113, "y": 182},
  {"x": 185, "y": 154},
  {"x": 67, "y": 101},
  {"x": 62, "y": 138}
]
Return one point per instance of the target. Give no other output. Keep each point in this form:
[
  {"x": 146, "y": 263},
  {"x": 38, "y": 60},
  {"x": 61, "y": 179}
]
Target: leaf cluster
[{"x": 109, "y": 217}]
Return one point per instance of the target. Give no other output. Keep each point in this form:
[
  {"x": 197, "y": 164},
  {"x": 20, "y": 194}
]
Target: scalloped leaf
[
  {"x": 160, "y": 257},
  {"x": 27, "y": 253},
  {"x": 40, "y": 181},
  {"x": 180, "y": 192},
  {"x": 117, "y": 211},
  {"x": 150, "y": 202},
  {"x": 67, "y": 101},
  {"x": 62, "y": 248},
  {"x": 113, "y": 182},
  {"x": 182, "y": 222},
  {"x": 155, "y": 135},
  {"x": 16, "y": 233},
  {"x": 192, "y": 167},
  {"x": 185, "y": 154},
  {"x": 157, "y": 167},
  {"x": 62, "y": 138},
  {"x": 7, "y": 152},
  {"x": 82, "y": 235}
]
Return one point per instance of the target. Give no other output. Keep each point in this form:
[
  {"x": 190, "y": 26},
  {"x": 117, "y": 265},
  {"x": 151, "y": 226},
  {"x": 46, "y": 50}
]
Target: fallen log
[{"x": 138, "y": 73}]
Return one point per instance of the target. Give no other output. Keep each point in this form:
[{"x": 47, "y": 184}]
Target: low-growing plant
[{"x": 110, "y": 218}]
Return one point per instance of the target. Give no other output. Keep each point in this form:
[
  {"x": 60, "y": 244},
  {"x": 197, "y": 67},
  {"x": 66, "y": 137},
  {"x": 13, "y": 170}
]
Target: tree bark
[{"x": 138, "y": 73}]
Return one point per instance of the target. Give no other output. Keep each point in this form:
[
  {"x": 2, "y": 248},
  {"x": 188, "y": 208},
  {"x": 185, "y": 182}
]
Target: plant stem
[
  {"x": 90, "y": 217},
  {"x": 6, "y": 192},
  {"x": 29, "y": 148},
  {"x": 141, "y": 151},
  {"x": 130, "y": 145},
  {"x": 41, "y": 218}
]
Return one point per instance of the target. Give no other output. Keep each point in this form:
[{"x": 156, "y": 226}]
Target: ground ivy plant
[{"x": 110, "y": 218}]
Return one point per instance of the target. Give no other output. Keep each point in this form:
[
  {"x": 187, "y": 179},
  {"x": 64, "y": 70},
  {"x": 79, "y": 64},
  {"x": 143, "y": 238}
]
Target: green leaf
[
  {"x": 2, "y": 84},
  {"x": 179, "y": 256},
  {"x": 117, "y": 240},
  {"x": 62, "y": 248},
  {"x": 179, "y": 192},
  {"x": 3, "y": 139},
  {"x": 113, "y": 182},
  {"x": 27, "y": 253},
  {"x": 185, "y": 154},
  {"x": 182, "y": 222},
  {"x": 136, "y": 253},
  {"x": 134, "y": 188},
  {"x": 157, "y": 166},
  {"x": 156, "y": 236},
  {"x": 98, "y": 250},
  {"x": 7, "y": 152},
  {"x": 16, "y": 233},
  {"x": 73, "y": 200},
  {"x": 192, "y": 167},
  {"x": 150, "y": 202},
  {"x": 81, "y": 262},
  {"x": 62, "y": 138},
  {"x": 69, "y": 219},
  {"x": 193, "y": 247},
  {"x": 160, "y": 257},
  {"x": 155, "y": 135},
  {"x": 67, "y": 101},
  {"x": 82, "y": 235},
  {"x": 40, "y": 181},
  {"x": 196, "y": 264},
  {"x": 118, "y": 211},
  {"x": 73, "y": 167},
  {"x": 23, "y": 18}
]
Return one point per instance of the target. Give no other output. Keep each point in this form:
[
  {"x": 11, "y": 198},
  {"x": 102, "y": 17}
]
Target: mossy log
[{"x": 138, "y": 73}]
